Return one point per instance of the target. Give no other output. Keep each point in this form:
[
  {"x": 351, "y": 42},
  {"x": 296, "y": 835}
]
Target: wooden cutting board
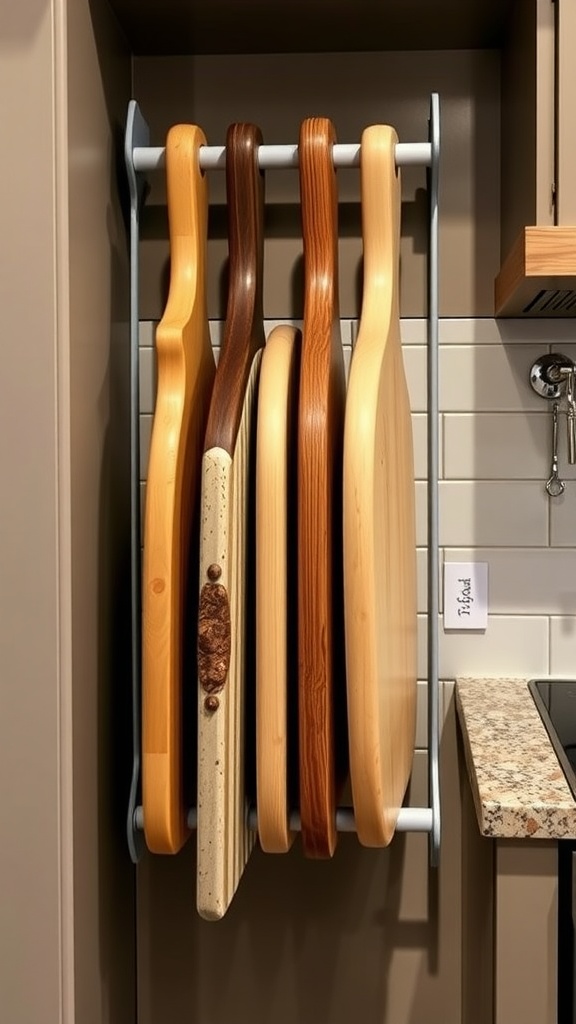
[
  {"x": 276, "y": 597},
  {"x": 320, "y": 428},
  {"x": 379, "y": 530},
  {"x": 225, "y": 629},
  {"x": 185, "y": 377}
]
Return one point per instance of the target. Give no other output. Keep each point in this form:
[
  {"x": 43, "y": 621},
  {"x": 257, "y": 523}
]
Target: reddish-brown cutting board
[
  {"x": 276, "y": 607},
  {"x": 320, "y": 427},
  {"x": 224, "y": 840},
  {"x": 185, "y": 377},
  {"x": 379, "y": 531}
]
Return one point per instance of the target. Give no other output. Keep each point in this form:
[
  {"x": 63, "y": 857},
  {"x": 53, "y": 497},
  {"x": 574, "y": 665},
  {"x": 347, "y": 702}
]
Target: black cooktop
[{"x": 556, "y": 702}]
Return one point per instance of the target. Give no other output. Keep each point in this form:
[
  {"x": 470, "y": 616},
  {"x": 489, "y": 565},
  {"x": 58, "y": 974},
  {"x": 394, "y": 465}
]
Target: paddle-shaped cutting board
[
  {"x": 320, "y": 427},
  {"x": 379, "y": 531},
  {"x": 276, "y": 597},
  {"x": 185, "y": 377},
  {"x": 225, "y": 628}
]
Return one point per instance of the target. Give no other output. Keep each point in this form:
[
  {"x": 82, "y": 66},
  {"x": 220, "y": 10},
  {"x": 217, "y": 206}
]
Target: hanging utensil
[{"x": 554, "y": 485}]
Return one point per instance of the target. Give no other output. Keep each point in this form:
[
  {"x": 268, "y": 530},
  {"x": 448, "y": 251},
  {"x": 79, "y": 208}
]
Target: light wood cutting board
[
  {"x": 276, "y": 596},
  {"x": 379, "y": 530},
  {"x": 185, "y": 377},
  {"x": 320, "y": 429},
  {"x": 225, "y": 637}
]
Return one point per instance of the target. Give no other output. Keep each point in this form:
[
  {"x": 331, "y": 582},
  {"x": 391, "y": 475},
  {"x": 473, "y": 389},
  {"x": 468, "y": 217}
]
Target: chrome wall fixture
[
  {"x": 140, "y": 158},
  {"x": 553, "y": 377}
]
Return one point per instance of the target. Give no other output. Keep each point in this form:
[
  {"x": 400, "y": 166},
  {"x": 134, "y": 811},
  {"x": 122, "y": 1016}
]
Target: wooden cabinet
[
  {"x": 538, "y": 274},
  {"x": 526, "y": 932},
  {"x": 566, "y": 91}
]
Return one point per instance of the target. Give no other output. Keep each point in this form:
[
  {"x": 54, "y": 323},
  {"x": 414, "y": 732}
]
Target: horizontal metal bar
[
  {"x": 410, "y": 819},
  {"x": 151, "y": 158}
]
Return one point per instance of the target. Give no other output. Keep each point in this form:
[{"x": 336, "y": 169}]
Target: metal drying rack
[{"x": 141, "y": 158}]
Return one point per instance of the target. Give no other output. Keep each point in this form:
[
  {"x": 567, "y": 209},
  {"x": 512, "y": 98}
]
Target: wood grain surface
[
  {"x": 223, "y": 838},
  {"x": 244, "y": 327},
  {"x": 541, "y": 259},
  {"x": 276, "y": 596},
  {"x": 226, "y": 744},
  {"x": 379, "y": 522},
  {"x": 185, "y": 377},
  {"x": 320, "y": 430}
]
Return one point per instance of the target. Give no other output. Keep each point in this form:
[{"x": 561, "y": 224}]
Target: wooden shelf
[{"x": 538, "y": 277}]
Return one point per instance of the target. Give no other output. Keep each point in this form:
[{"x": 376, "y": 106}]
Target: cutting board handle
[
  {"x": 244, "y": 328},
  {"x": 185, "y": 376}
]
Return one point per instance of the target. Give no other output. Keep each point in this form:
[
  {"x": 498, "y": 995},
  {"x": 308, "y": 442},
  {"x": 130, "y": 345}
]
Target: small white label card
[{"x": 465, "y": 595}]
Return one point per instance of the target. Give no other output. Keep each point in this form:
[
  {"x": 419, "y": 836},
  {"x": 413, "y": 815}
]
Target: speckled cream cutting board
[{"x": 225, "y": 627}]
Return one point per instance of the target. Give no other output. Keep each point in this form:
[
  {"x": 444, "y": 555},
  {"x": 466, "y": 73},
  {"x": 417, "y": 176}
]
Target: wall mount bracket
[{"x": 141, "y": 158}]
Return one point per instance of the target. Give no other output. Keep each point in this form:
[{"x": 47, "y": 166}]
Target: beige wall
[
  {"x": 96, "y": 356},
  {"x": 66, "y": 883},
  {"x": 30, "y": 724}
]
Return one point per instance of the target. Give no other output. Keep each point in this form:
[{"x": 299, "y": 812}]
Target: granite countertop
[{"x": 519, "y": 788}]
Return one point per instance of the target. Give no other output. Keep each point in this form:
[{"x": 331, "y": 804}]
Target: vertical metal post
[
  {"x": 137, "y": 134},
  {"x": 433, "y": 471}
]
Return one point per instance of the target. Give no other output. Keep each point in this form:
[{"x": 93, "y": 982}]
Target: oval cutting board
[
  {"x": 276, "y": 598},
  {"x": 320, "y": 427},
  {"x": 379, "y": 530},
  {"x": 185, "y": 377},
  {"x": 225, "y": 628}
]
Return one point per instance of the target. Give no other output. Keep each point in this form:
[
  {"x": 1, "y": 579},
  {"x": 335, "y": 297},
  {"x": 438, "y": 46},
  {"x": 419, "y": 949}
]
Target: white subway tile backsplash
[
  {"x": 501, "y": 446},
  {"x": 525, "y": 580},
  {"x": 469, "y": 332},
  {"x": 414, "y": 332},
  {"x": 563, "y": 646},
  {"x": 563, "y": 518},
  {"x": 568, "y": 347},
  {"x": 486, "y": 331},
  {"x": 494, "y": 458},
  {"x": 145, "y": 435},
  {"x": 216, "y": 328},
  {"x": 415, "y": 369},
  {"x": 475, "y": 378},
  {"x": 487, "y": 378},
  {"x": 486, "y": 513},
  {"x": 422, "y": 715},
  {"x": 146, "y": 333},
  {"x": 147, "y": 372},
  {"x": 492, "y": 514},
  {"x": 422, "y": 579},
  {"x": 512, "y": 645},
  {"x": 419, "y": 442},
  {"x": 347, "y": 353}
]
